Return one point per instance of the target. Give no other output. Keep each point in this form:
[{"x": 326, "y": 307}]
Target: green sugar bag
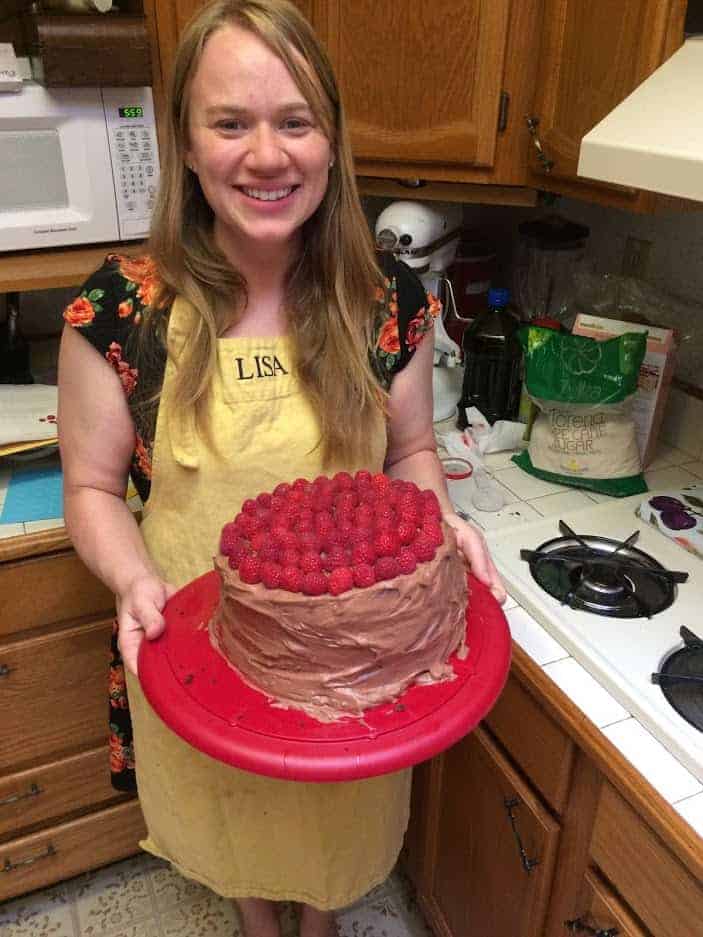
[{"x": 584, "y": 434}]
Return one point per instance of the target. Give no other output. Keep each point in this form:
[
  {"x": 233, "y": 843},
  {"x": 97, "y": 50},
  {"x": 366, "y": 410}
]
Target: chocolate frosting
[{"x": 339, "y": 655}]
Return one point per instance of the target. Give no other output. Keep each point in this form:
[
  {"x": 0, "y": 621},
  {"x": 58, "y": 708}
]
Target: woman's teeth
[{"x": 267, "y": 195}]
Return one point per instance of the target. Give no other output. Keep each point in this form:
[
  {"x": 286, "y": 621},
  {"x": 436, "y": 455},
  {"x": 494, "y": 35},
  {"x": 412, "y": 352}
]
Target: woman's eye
[
  {"x": 231, "y": 125},
  {"x": 295, "y": 123}
]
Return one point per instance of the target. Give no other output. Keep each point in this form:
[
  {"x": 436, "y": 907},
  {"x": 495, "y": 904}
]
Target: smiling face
[{"x": 260, "y": 155}]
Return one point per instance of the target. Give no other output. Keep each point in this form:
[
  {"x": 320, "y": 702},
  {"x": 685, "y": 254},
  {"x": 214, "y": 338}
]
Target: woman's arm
[
  {"x": 412, "y": 455},
  {"x": 96, "y": 437}
]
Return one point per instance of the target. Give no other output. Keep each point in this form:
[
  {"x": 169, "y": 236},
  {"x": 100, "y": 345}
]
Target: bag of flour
[{"x": 584, "y": 434}]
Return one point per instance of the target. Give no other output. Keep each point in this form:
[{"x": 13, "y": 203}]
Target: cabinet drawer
[
  {"x": 45, "y": 590},
  {"x": 602, "y": 911},
  {"x": 54, "y": 694},
  {"x": 535, "y": 742},
  {"x": 655, "y": 885},
  {"x": 49, "y": 792},
  {"x": 70, "y": 848}
]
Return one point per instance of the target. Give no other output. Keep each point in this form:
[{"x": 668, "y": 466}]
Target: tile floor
[{"x": 144, "y": 897}]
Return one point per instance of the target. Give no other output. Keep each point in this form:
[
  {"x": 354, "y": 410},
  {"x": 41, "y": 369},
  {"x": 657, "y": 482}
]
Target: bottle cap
[{"x": 498, "y": 296}]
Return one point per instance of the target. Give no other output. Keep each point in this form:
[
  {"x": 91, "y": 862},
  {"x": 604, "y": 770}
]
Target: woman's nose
[{"x": 266, "y": 152}]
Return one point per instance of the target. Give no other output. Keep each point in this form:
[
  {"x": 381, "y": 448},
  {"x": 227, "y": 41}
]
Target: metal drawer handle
[
  {"x": 544, "y": 161},
  {"x": 527, "y": 863},
  {"x": 5, "y": 671},
  {"x": 34, "y": 791},
  {"x": 578, "y": 925},
  {"x": 9, "y": 866}
]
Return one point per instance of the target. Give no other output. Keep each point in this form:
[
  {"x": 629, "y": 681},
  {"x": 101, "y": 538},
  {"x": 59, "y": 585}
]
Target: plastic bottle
[{"x": 492, "y": 362}]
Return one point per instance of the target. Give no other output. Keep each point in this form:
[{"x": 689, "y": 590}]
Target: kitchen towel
[
  {"x": 27, "y": 412},
  {"x": 33, "y": 494}
]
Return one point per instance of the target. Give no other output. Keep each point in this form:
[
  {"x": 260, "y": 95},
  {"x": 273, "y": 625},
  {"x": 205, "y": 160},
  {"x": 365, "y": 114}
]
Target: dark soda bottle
[{"x": 492, "y": 362}]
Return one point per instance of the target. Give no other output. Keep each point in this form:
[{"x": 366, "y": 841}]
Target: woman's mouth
[{"x": 268, "y": 195}]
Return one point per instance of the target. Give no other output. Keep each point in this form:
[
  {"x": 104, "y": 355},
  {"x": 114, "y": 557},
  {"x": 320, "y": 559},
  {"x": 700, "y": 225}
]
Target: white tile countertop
[{"x": 529, "y": 499}]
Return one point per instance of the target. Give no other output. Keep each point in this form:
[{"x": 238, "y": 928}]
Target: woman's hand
[
  {"x": 139, "y": 615},
  {"x": 473, "y": 546}
]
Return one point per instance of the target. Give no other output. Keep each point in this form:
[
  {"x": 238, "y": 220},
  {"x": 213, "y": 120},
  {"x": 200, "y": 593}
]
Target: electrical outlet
[{"x": 635, "y": 258}]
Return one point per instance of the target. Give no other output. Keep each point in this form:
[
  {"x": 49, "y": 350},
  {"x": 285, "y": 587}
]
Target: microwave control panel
[{"x": 129, "y": 114}]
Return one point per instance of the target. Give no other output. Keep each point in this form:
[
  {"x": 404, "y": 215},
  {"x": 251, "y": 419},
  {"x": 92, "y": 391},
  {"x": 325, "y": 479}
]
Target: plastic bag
[{"x": 584, "y": 434}]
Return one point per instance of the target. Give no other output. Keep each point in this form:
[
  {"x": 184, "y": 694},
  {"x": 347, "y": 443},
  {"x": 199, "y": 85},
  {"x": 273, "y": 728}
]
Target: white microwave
[{"x": 77, "y": 165}]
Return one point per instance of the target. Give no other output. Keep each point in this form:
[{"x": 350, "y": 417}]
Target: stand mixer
[{"x": 426, "y": 236}]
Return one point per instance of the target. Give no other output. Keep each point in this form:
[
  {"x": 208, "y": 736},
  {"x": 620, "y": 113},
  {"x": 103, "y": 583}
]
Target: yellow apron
[{"x": 239, "y": 833}]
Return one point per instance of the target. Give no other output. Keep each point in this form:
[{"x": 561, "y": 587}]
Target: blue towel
[{"x": 33, "y": 494}]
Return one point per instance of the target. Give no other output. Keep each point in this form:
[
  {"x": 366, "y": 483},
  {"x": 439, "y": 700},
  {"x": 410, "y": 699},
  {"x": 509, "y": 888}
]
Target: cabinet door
[
  {"x": 171, "y": 17},
  {"x": 420, "y": 82},
  {"x": 493, "y": 849},
  {"x": 593, "y": 54}
]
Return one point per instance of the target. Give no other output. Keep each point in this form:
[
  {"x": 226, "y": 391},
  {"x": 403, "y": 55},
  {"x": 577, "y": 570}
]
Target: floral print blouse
[{"x": 108, "y": 311}]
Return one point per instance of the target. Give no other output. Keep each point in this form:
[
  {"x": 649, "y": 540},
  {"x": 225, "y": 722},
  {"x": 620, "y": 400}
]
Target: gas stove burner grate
[
  {"x": 607, "y": 577},
  {"x": 680, "y": 679}
]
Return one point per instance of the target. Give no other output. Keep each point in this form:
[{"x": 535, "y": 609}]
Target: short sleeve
[
  {"x": 107, "y": 312},
  {"x": 406, "y": 315}
]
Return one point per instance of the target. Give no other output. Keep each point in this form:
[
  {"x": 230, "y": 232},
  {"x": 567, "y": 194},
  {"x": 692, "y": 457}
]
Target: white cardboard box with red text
[{"x": 655, "y": 373}]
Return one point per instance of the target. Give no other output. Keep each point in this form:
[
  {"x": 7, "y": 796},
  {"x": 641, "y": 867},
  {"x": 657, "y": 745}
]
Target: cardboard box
[{"x": 655, "y": 374}]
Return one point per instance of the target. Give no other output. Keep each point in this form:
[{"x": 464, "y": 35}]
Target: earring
[{"x": 331, "y": 162}]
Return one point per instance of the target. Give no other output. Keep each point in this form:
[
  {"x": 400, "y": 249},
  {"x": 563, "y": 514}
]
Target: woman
[{"x": 259, "y": 247}]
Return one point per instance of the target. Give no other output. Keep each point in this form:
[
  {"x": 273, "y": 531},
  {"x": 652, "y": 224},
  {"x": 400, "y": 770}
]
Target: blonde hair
[{"x": 330, "y": 289}]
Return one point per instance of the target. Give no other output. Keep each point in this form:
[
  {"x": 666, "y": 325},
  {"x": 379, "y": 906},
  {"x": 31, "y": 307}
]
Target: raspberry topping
[{"x": 331, "y": 535}]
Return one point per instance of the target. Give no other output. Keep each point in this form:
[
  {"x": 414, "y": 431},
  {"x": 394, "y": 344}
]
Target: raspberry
[
  {"x": 309, "y": 541},
  {"x": 407, "y": 561},
  {"x": 386, "y": 567},
  {"x": 383, "y": 509},
  {"x": 271, "y": 574},
  {"x": 362, "y": 477},
  {"x": 269, "y": 552},
  {"x": 285, "y": 539},
  {"x": 258, "y": 539},
  {"x": 433, "y": 531},
  {"x": 343, "y": 481},
  {"x": 250, "y": 570},
  {"x": 314, "y": 583},
  {"x": 386, "y": 543},
  {"x": 364, "y": 575},
  {"x": 304, "y": 520},
  {"x": 385, "y": 525},
  {"x": 264, "y": 499},
  {"x": 301, "y": 484},
  {"x": 409, "y": 514},
  {"x": 246, "y": 524},
  {"x": 281, "y": 490},
  {"x": 324, "y": 501},
  {"x": 265, "y": 516},
  {"x": 341, "y": 580},
  {"x": 249, "y": 506},
  {"x": 430, "y": 504},
  {"x": 380, "y": 482},
  {"x": 367, "y": 496},
  {"x": 423, "y": 548},
  {"x": 323, "y": 522},
  {"x": 345, "y": 528},
  {"x": 332, "y": 538},
  {"x": 228, "y": 537},
  {"x": 335, "y": 557},
  {"x": 310, "y": 562},
  {"x": 346, "y": 501},
  {"x": 363, "y": 553},
  {"x": 290, "y": 557},
  {"x": 360, "y": 535},
  {"x": 291, "y": 579},
  {"x": 406, "y": 532},
  {"x": 277, "y": 503},
  {"x": 364, "y": 514},
  {"x": 237, "y": 553}
]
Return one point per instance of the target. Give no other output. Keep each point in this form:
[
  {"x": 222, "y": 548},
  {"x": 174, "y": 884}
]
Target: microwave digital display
[{"x": 131, "y": 112}]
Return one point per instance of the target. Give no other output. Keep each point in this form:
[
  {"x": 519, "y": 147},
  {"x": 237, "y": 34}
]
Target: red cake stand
[{"x": 203, "y": 700}]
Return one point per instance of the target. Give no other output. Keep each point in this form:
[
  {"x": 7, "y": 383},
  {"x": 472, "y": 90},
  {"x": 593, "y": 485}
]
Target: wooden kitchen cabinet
[
  {"x": 592, "y": 55},
  {"x": 59, "y": 814},
  {"x": 492, "y": 850},
  {"x": 440, "y": 94},
  {"x": 612, "y": 857}
]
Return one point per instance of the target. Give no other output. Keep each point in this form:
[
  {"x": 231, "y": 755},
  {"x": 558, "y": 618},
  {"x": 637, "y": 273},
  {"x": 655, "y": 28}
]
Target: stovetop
[{"x": 621, "y": 653}]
